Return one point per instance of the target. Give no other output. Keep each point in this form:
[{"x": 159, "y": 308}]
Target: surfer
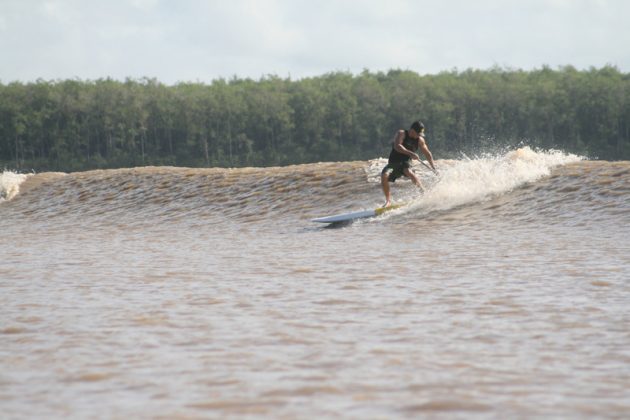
[{"x": 404, "y": 149}]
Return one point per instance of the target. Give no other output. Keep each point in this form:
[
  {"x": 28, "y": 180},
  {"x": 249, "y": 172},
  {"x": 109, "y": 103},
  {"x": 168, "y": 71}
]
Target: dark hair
[{"x": 417, "y": 126}]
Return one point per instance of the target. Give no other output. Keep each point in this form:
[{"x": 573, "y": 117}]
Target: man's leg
[
  {"x": 385, "y": 185},
  {"x": 409, "y": 174}
]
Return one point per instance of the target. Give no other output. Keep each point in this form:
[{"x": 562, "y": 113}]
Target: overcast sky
[{"x": 195, "y": 40}]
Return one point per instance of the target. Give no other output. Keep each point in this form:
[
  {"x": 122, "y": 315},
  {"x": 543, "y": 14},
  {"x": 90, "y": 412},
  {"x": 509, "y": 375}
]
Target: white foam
[
  {"x": 473, "y": 180},
  {"x": 10, "y": 184}
]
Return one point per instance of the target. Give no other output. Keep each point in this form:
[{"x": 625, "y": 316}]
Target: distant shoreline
[{"x": 74, "y": 125}]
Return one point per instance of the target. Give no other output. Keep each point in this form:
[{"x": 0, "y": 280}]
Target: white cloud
[{"x": 202, "y": 40}]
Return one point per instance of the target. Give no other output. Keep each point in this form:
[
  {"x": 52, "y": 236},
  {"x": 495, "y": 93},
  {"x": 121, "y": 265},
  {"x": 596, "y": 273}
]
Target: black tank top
[{"x": 410, "y": 144}]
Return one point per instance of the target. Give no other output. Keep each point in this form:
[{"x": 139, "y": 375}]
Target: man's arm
[{"x": 398, "y": 145}]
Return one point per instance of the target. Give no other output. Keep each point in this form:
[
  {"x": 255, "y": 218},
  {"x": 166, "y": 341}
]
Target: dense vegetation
[{"x": 74, "y": 125}]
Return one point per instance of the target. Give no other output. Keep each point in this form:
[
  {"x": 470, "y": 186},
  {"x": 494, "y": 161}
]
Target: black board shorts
[{"x": 396, "y": 169}]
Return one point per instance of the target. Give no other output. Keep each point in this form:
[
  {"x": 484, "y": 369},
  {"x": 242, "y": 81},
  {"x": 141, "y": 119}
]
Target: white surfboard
[{"x": 345, "y": 217}]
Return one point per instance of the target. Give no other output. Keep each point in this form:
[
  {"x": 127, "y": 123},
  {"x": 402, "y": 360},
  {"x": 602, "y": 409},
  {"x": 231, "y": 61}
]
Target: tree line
[{"x": 71, "y": 125}]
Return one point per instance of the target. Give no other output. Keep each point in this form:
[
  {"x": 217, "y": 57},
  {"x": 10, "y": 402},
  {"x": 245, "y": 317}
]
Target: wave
[
  {"x": 482, "y": 178},
  {"x": 10, "y": 184},
  {"x": 513, "y": 181}
]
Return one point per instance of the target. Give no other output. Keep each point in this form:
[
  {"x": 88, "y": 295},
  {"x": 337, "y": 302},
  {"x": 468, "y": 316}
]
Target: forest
[{"x": 73, "y": 125}]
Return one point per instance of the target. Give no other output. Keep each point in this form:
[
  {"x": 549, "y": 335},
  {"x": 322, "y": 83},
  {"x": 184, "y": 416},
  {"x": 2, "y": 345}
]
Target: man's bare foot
[{"x": 387, "y": 204}]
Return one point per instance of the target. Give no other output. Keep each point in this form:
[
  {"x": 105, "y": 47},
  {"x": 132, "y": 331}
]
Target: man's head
[{"x": 418, "y": 127}]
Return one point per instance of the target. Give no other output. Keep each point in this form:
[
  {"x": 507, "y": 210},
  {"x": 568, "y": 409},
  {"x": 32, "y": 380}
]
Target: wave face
[{"x": 521, "y": 184}]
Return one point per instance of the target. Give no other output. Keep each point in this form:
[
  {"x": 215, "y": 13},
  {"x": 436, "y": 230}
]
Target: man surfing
[{"x": 404, "y": 149}]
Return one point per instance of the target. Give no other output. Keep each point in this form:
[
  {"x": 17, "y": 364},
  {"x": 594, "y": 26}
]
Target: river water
[{"x": 502, "y": 292}]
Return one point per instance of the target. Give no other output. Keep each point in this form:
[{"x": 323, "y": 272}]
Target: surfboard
[{"x": 346, "y": 217}]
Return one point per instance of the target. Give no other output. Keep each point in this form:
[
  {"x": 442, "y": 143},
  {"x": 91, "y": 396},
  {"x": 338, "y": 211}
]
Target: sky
[{"x": 200, "y": 41}]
